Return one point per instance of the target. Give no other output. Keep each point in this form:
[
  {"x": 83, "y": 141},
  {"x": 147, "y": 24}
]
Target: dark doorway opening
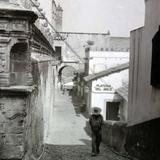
[
  {"x": 20, "y": 66},
  {"x": 18, "y": 58},
  {"x": 58, "y": 53},
  {"x": 155, "y": 67},
  {"x": 112, "y": 111}
]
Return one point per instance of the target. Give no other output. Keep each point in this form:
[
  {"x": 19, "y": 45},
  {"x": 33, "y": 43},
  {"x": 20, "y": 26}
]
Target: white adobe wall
[
  {"x": 100, "y": 60},
  {"x": 99, "y": 98},
  {"x": 144, "y": 100}
]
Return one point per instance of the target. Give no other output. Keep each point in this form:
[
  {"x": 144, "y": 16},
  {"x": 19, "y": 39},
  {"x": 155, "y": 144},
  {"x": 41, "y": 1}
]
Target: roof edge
[{"x": 104, "y": 73}]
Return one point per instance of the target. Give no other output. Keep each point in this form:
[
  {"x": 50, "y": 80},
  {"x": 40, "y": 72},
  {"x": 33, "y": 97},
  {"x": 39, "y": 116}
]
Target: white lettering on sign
[{"x": 103, "y": 87}]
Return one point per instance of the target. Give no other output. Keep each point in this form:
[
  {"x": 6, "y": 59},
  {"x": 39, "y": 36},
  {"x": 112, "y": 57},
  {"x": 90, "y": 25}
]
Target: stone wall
[
  {"x": 12, "y": 123},
  {"x": 140, "y": 141},
  {"x": 44, "y": 78},
  {"x": 143, "y": 140},
  {"x": 34, "y": 129},
  {"x": 114, "y": 135},
  {"x": 24, "y": 115},
  {"x": 21, "y": 124},
  {"x": 26, "y": 91}
]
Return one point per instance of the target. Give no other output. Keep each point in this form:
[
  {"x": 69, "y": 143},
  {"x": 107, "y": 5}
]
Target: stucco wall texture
[
  {"x": 102, "y": 42},
  {"x": 12, "y": 123},
  {"x": 41, "y": 103},
  {"x": 24, "y": 116},
  {"x": 144, "y": 99}
]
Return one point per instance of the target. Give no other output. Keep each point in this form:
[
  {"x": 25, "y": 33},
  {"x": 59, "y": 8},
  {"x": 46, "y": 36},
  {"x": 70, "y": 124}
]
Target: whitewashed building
[
  {"x": 102, "y": 92},
  {"x": 102, "y": 60},
  {"x": 144, "y": 92},
  {"x": 105, "y": 75}
]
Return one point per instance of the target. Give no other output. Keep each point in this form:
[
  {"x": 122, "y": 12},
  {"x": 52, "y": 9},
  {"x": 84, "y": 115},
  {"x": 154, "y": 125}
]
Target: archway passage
[
  {"x": 18, "y": 58},
  {"x": 66, "y": 73},
  {"x": 20, "y": 66}
]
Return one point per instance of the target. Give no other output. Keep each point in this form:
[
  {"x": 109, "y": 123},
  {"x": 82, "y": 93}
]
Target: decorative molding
[
  {"x": 4, "y": 24},
  {"x": 14, "y": 116},
  {"x": 4, "y": 40},
  {"x": 20, "y": 25}
]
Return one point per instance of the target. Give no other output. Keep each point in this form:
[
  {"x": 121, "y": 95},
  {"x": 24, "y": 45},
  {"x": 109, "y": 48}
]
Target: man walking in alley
[{"x": 96, "y": 122}]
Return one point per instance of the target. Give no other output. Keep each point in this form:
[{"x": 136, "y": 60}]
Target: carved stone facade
[
  {"x": 15, "y": 35},
  {"x": 13, "y": 113},
  {"x": 22, "y": 119}
]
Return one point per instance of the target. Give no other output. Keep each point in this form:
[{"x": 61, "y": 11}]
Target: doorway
[{"x": 112, "y": 111}]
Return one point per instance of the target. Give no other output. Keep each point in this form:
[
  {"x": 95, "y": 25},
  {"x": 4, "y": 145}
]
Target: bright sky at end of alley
[{"x": 118, "y": 16}]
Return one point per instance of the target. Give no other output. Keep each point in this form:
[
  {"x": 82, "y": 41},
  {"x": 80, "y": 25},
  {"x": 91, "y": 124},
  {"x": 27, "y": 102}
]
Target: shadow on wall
[
  {"x": 78, "y": 104},
  {"x": 113, "y": 134},
  {"x": 143, "y": 140},
  {"x": 140, "y": 141}
]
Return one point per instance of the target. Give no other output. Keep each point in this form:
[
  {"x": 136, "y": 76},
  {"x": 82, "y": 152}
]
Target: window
[
  {"x": 112, "y": 111},
  {"x": 58, "y": 53},
  {"x": 107, "y": 49},
  {"x": 155, "y": 69},
  {"x": 101, "y": 49},
  {"x": 112, "y": 49}
]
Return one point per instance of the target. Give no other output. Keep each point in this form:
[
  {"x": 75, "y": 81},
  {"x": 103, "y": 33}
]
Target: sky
[{"x": 118, "y": 16}]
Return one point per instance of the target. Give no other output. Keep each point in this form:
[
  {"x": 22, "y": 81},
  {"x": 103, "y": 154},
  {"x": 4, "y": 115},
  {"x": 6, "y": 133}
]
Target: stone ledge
[
  {"x": 114, "y": 135},
  {"x": 19, "y": 88},
  {"x": 118, "y": 123}
]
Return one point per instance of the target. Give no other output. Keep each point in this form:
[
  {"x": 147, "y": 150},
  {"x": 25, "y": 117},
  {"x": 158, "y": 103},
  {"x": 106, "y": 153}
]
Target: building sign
[{"x": 102, "y": 88}]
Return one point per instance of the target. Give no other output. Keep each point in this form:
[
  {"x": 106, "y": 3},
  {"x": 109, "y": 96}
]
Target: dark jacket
[{"x": 96, "y": 122}]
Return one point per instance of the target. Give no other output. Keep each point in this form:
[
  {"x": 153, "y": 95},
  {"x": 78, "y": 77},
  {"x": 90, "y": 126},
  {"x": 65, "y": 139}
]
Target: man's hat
[{"x": 96, "y": 110}]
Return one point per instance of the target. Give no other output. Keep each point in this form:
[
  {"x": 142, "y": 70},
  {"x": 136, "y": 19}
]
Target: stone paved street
[
  {"x": 67, "y": 139},
  {"x": 77, "y": 152}
]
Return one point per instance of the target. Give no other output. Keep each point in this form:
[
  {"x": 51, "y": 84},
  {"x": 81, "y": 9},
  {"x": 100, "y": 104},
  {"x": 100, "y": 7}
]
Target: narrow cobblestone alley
[
  {"x": 73, "y": 85},
  {"x": 67, "y": 138}
]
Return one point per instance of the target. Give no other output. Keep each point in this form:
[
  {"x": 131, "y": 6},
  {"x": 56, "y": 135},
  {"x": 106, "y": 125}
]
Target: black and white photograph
[{"x": 79, "y": 79}]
